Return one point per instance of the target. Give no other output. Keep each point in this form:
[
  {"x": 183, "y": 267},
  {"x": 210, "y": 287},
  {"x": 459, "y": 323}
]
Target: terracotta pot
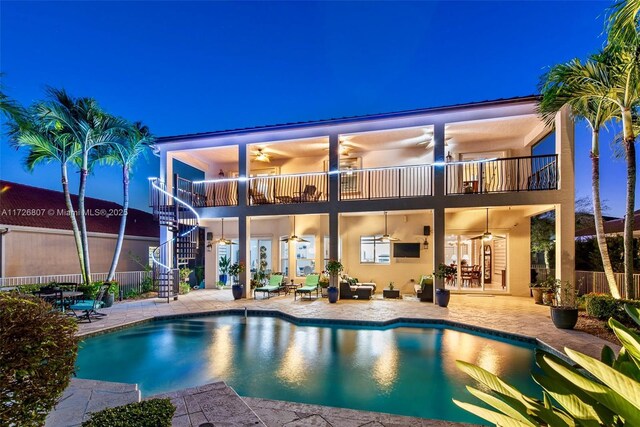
[{"x": 537, "y": 295}]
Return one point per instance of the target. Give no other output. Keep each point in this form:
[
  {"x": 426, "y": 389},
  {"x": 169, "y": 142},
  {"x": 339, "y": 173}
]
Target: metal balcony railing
[
  {"x": 386, "y": 183},
  {"x": 529, "y": 173},
  {"x": 221, "y": 192},
  {"x": 285, "y": 189}
]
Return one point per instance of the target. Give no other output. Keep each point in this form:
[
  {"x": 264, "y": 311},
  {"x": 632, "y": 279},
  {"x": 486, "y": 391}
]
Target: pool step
[
  {"x": 84, "y": 397},
  {"x": 209, "y": 405}
]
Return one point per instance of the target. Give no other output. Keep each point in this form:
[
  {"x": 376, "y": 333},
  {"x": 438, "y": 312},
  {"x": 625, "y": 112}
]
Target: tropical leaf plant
[{"x": 589, "y": 393}]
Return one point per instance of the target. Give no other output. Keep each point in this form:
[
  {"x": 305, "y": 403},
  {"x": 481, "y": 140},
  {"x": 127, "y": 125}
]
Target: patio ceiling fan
[
  {"x": 386, "y": 237},
  {"x": 487, "y": 236},
  {"x": 261, "y": 156},
  {"x": 222, "y": 241},
  {"x": 294, "y": 237}
]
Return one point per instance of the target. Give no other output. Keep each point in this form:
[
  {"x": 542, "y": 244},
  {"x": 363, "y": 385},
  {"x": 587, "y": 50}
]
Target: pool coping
[{"x": 396, "y": 321}]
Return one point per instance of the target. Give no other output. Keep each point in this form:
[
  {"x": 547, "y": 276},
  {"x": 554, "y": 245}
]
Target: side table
[{"x": 388, "y": 293}]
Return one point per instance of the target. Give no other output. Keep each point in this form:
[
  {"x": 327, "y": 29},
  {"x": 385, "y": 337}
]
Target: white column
[{"x": 244, "y": 234}]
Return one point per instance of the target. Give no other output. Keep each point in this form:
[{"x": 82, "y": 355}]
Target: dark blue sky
[{"x": 185, "y": 67}]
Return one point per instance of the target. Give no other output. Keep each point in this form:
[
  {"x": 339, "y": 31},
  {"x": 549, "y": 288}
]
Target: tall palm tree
[
  {"x": 622, "y": 58},
  {"x": 134, "y": 143},
  {"x": 41, "y": 137},
  {"x": 564, "y": 85},
  {"x": 82, "y": 121}
]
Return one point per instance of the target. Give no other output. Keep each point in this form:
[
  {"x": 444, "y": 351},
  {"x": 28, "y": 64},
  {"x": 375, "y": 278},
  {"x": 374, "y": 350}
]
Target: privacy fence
[{"x": 591, "y": 281}]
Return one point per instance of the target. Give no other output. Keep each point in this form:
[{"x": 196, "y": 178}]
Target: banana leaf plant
[{"x": 591, "y": 393}]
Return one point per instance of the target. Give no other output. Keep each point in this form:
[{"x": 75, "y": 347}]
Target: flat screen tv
[{"x": 406, "y": 250}]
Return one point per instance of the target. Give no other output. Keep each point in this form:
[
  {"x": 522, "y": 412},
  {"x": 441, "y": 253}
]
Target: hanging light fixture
[
  {"x": 222, "y": 241},
  {"x": 294, "y": 237},
  {"x": 386, "y": 237},
  {"x": 487, "y": 236},
  {"x": 261, "y": 156}
]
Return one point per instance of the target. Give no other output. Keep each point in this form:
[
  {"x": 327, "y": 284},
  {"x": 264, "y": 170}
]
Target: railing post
[
  {"x": 399, "y": 183},
  {"x": 369, "y": 185},
  {"x": 480, "y": 178},
  {"x": 518, "y": 174}
]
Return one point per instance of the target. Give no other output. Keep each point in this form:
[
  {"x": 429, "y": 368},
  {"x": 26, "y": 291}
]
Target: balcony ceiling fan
[
  {"x": 222, "y": 241},
  {"x": 294, "y": 237},
  {"x": 261, "y": 156},
  {"x": 386, "y": 237}
]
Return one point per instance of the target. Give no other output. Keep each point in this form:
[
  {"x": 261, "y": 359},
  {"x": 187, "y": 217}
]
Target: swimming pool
[{"x": 405, "y": 370}]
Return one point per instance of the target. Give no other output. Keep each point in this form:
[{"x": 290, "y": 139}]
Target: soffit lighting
[
  {"x": 386, "y": 237},
  {"x": 294, "y": 237}
]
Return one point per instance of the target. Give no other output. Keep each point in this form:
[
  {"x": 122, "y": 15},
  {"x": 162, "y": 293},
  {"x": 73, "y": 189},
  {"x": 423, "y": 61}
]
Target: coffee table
[{"x": 389, "y": 293}]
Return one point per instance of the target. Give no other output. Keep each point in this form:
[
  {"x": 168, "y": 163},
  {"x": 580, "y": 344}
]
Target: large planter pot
[
  {"x": 442, "y": 297},
  {"x": 564, "y": 318},
  {"x": 222, "y": 278},
  {"x": 537, "y": 294},
  {"x": 332, "y": 294},
  {"x": 107, "y": 300},
  {"x": 236, "y": 290},
  {"x": 547, "y": 297}
]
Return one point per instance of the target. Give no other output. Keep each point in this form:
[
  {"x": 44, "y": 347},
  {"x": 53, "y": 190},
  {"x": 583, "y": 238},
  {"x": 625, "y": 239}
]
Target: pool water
[{"x": 403, "y": 370}]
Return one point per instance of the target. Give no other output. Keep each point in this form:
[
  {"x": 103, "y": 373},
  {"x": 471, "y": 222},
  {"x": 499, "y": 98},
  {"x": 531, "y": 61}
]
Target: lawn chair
[
  {"x": 311, "y": 283},
  {"x": 275, "y": 285},
  {"x": 307, "y": 195},
  {"x": 90, "y": 308}
]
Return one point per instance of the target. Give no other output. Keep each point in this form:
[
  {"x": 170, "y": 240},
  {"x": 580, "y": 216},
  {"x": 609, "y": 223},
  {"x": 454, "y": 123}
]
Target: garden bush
[
  {"x": 38, "y": 349},
  {"x": 147, "y": 285},
  {"x": 603, "y": 306},
  {"x": 90, "y": 291},
  {"x": 148, "y": 413},
  {"x": 30, "y": 288}
]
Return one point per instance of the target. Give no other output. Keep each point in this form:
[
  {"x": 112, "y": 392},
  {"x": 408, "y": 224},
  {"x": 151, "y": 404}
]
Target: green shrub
[
  {"x": 114, "y": 288},
  {"x": 183, "y": 288},
  {"x": 148, "y": 413},
  {"x": 38, "y": 349},
  {"x": 30, "y": 288},
  {"x": 603, "y": 306},
  {"x": 90, "y": 291},
  {"x": 131, "y": 293},
  {"x": 147, "y": 285}
]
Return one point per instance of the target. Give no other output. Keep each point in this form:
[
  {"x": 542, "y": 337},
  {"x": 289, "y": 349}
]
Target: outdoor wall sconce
[{"x": 425, "y": 244}]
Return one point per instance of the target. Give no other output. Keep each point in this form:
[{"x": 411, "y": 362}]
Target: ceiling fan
[
  {"x": 261, "y": 156},
  {"x": 344, "y": 148},
  {"x": 386, "y": 237},
  {"x": 222, "y": 241},
  {"x": 487, "y": 236},
  {"x": 294, "y": 237}
]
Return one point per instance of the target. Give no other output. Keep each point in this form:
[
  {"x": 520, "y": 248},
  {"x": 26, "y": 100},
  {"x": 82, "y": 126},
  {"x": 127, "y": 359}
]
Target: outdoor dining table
[{"x": 65, "y": 295}]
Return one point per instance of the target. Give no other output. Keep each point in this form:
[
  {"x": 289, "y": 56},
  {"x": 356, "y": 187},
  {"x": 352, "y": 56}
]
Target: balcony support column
[
  {"x": 334, "y": 166},
  {"x": 565, "y": 210},
  {"x": 243, "y": 172},
  {"x": 244, "y": 234},
  {"x": 439, "y": 199}
]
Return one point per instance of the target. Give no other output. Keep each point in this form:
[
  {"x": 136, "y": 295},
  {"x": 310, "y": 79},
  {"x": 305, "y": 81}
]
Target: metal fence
[
  {"x": 128, "y": 280},
  {"x": 591, "y": 281}
]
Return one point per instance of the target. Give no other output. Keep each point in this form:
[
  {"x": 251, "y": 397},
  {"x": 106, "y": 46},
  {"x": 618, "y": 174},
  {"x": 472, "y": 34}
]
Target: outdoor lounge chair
[
  {"x": 258, "y": 198},
  {"x": 90, "y": 308},
  {"x": 275, "y": 285},
  {"x": 311, "y": 283},
  {"x": 309, "y": 194}
]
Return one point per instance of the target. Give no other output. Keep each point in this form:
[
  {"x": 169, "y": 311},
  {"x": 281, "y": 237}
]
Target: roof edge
[{"x": 341, "y": 120}]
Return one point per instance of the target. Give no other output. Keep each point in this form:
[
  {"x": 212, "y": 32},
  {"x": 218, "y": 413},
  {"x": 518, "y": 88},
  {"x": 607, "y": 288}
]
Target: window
[
  {"x": 260, "y": 252},
  {"x": 374, "y": 251},
  {"x": 306, "y": 256},
  {"x": 284, "y": 256},
  {"x": 545, "y": 146}
]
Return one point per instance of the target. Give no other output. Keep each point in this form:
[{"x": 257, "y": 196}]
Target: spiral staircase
[{"x": 172, "y": 208}]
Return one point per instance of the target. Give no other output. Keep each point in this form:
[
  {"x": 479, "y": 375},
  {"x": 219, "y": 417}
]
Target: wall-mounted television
[{"x": 406, "y": 250}]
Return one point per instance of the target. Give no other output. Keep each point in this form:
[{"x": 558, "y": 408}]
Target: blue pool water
[{"x": 402, "y": 370}]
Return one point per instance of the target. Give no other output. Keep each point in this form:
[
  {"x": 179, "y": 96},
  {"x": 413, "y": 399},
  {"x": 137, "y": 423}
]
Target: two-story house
[{"x": 391, "y": 195}]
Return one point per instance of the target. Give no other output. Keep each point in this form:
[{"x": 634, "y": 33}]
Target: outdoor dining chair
[{"x": 89, "y": 308}]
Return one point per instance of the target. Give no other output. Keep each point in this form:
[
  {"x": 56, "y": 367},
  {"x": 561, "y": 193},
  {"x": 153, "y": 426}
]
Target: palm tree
[
  {"x": 622, "y": 87},
  {"x": 41, "y": 137},
  {"x": 563, "y": 86},
  {"x": 82, "y": 121},
  {"x": 125, "y": 153}
]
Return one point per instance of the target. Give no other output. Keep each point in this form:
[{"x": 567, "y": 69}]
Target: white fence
[
  {"x": 128, "y": 280},
  {"x": 592, "y": 281}
]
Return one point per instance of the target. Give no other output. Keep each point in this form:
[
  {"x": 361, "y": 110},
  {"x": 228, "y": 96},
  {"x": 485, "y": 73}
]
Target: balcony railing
[
  {"x": 285, "y": 189},
  {"x": 222, "y": 192},
  {"x": 386, "y": 183},
  {"x": 529, "y": 173}
]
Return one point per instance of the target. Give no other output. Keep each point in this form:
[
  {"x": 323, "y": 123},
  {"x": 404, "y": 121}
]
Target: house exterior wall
[{"x": 34, "y": 252}]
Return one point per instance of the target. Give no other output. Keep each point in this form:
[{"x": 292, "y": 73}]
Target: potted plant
[
  {"x": 223, "y": 265},
  {"x": 235, "y": 270},
  {"x": 323, "y": 281},
  {"x": 564, "y": 311},
  {"x": 391, "y": 286},
  {"x": 334, "y": 267},
  {"x": 109, "y": 296},
  {"x": 543, "y": 291},
  {"x": 447, "y": 272}
]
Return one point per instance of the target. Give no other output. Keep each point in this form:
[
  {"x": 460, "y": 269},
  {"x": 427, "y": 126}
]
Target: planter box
[{"x": 388, "y": 293}]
